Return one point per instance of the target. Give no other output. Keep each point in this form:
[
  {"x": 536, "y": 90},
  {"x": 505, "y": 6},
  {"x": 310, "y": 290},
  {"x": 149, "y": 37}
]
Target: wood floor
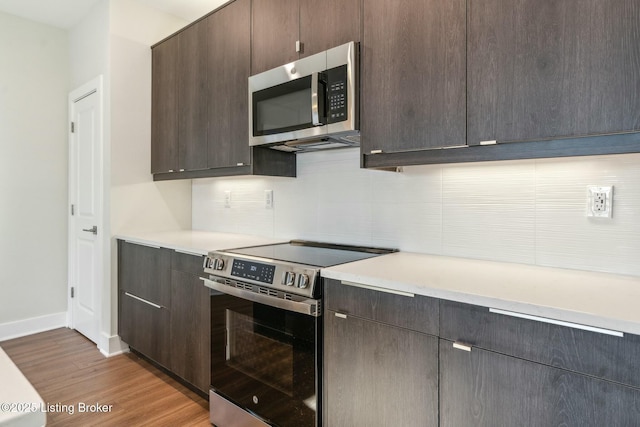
[{"x": 67, "y": 369}]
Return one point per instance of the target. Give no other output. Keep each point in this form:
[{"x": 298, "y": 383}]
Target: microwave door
[
  {"x": 289, "y": 111},
  {"x": 288, "y": 102}
]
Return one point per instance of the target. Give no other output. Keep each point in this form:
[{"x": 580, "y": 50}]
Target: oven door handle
[{"x": 309, "y": 307}]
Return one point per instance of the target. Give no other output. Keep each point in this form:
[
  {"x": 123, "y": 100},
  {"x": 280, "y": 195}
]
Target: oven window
[
  {"x": 260, "y": 352},
  {"x": 282, "y": 108}
]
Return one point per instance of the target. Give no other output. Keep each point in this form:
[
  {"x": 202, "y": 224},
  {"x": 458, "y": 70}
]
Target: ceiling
[{"x": 67, "y": 13}]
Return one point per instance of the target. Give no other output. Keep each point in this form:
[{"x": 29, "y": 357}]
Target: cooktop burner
[{"x": 310, "y": 253}]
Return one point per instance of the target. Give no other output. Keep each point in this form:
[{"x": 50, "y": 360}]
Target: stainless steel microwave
[{"x": 309, "y": 104}]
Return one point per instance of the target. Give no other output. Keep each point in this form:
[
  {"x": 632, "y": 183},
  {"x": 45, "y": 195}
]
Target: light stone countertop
[
  {"x": 602, "y": 300},
  {"x": 21, "y": 403},
  {"x": 195, "y": 242}
]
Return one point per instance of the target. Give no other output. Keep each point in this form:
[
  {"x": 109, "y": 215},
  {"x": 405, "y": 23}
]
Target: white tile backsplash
[{"x": 528, "y": 211}]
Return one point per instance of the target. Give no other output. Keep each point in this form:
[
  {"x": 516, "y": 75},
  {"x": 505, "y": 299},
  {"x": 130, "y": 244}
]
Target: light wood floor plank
[{"x": 67, "y": 369}]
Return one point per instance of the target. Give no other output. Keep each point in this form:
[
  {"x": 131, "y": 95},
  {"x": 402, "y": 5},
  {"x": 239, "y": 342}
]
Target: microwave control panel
[{"x": 337, "y": 94}]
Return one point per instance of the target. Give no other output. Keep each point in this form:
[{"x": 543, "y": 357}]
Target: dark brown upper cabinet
[
  {"x": 544, "y": 78},
  {"x": 543, "y": 69},
  {"x": 179, "y": 109},
  {"x": 286, "y": 30},
  {"x": 164, "y": 104},
  {"x": 200, "y": 102},
  {"x": 229, "y": 67},
  {"x": 413, "y": 77}
]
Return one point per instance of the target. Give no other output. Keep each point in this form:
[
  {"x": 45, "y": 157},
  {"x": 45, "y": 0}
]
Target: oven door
[{"x": 264, "y": 360}]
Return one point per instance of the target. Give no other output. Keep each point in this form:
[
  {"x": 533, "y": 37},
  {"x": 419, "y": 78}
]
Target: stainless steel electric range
[{"x": 266, "y": 331}]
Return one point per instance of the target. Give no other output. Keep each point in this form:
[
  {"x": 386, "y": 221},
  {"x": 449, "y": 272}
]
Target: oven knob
[
  {"x": 218, "y": 264},
  {"x": 303, "y": 281},
  {"x": 288, "y": 278}
]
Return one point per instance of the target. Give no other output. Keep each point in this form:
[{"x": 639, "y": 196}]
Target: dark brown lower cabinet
[
  {"x": 174, "y": 328},
  {"x": 484, "y": 388},
  {"x": 190, "y": 329},
  {"x": 144, "y": 326},
  {"x": 378, "y": 375}
]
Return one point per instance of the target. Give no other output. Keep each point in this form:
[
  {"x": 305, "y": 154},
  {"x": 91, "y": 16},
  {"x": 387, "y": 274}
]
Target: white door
[{"x": 85, "y": 233}]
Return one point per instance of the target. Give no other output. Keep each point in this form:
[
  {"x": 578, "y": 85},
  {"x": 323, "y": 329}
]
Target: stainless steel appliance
[
  {"x": 266, "y": 331},
  {"x": 308, "y": 104}
]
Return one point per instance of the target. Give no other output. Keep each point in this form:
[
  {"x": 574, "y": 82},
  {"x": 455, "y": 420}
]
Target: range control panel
[{"x": 291, "y": 278}]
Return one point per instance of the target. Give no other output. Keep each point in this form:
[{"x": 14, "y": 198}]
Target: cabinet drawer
[
  {"x": 418, "y": 313},
  {"x": 144, "y": 327},
  {"x": 144, "y": 271},
  {"x": 603, "y": 356},
  {"x": 187, "y": 263}
]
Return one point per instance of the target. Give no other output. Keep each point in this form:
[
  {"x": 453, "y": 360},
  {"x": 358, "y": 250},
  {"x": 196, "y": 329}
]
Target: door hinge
[
  {"x": 72, "y": 292},
  {"x": 73, "y": 127},
  {"x": 73, "y": 210}
]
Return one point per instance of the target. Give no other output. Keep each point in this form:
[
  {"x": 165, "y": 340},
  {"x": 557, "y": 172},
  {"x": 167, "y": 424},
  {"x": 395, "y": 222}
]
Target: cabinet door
[
  {"x": 192, "y": 97},
  {"x": 550, "y": 68},
  {"x": 190, "y": 329},
  {"x": 275, "y": 29},
  {"x": 144, "y": 272},
  {"x": 378, "y": 375},
  {"x": 145, "y": 328},
  {"x": 229, "y": 66},
  {"x": 331, "y": 24},
  {"x": 164, "y": 106},
  {"x": 482, "y": 388},
  {"x": 413, "y": 75}
]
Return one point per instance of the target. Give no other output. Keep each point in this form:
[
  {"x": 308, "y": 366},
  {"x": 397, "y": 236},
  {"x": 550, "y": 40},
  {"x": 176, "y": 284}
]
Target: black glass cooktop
[{"x": 311, "y": 253}]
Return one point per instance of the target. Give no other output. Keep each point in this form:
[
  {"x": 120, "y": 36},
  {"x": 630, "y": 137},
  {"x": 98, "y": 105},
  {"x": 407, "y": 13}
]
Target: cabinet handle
[
  {"x": 375, "y": 288},
  {"x": 557, "y": 322},
  {"x": 340, "y": 315},
  {"x": 298, "y": 46},
  {"x": 143, "y": 300},
  {"x": 376, "y": 151},
  {"x": 188, "y": 253},
  {"x": 148, "y": 245},
  {"x": 491, "y": 142},
  {"x": 461, "y": 346}
]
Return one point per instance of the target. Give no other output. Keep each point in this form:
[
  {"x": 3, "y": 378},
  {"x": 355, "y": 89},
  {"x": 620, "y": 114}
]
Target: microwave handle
[{"x": 315, "y": 113}]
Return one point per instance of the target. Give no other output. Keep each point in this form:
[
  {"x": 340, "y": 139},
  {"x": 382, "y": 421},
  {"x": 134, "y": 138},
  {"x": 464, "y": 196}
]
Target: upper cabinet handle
[
  {"x": 461, "y": 346},
  {"x": 557, "y": 322},
  {"x": 298, "y": 46}
]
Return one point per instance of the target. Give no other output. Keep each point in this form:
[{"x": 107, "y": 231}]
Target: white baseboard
[
  {"x": 112, "y": 345},
  {"x": 21, "y": 328}
]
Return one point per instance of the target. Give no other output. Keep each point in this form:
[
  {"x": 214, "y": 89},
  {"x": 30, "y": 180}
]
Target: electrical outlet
[
  {"x": 227, "y": 199},
  {"x": 268, "y": 199},
  {"x": 599, "y": 202}
]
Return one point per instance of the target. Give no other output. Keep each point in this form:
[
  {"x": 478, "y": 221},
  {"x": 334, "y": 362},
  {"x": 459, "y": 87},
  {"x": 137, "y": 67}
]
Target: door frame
[{"x": 96, "y": 86}]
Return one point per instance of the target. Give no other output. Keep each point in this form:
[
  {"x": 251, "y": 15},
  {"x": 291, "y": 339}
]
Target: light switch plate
[{"x": 227, "y": 199}]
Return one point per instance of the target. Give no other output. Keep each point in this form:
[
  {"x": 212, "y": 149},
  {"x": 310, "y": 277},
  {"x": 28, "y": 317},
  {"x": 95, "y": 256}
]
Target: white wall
[
  {"x": 526, "y": 211},
  {"x": 136, "y": 201},
  {"x": 34, "y": 83}
]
